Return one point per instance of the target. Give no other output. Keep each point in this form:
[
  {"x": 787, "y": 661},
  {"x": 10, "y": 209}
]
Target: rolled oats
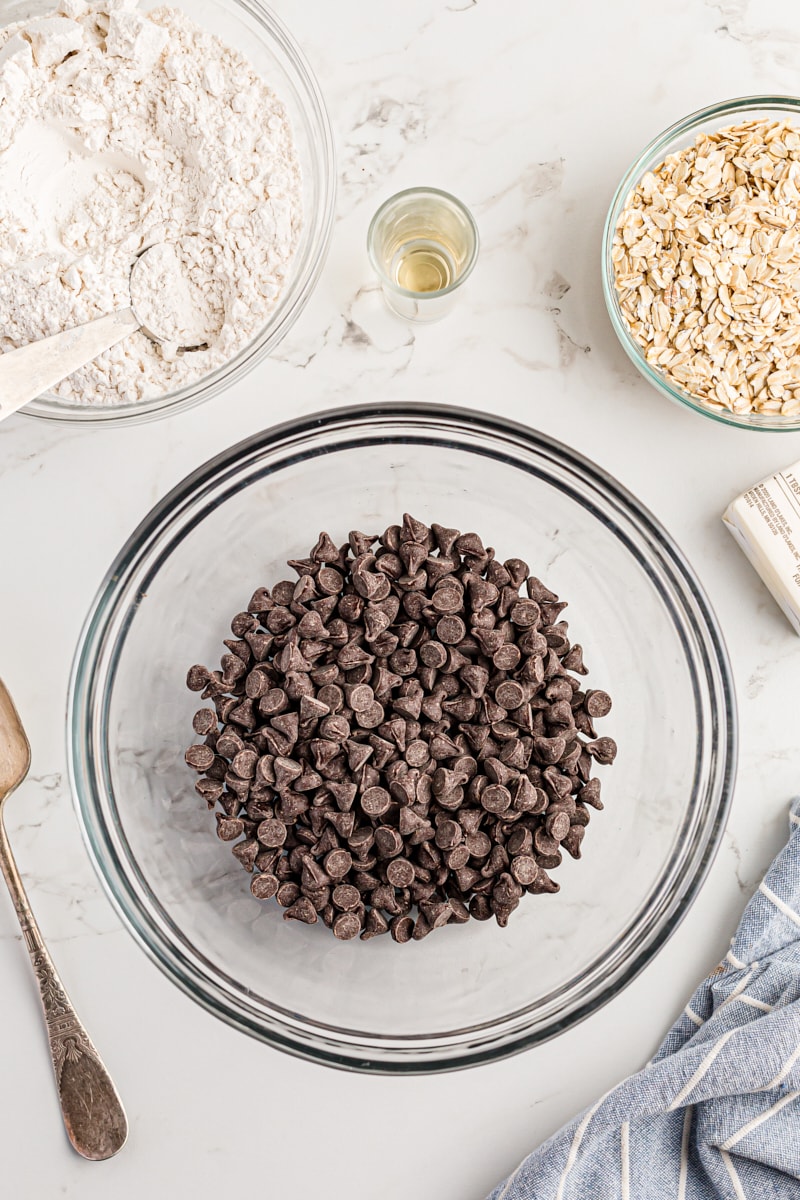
[{"x": 706, "y": 257}]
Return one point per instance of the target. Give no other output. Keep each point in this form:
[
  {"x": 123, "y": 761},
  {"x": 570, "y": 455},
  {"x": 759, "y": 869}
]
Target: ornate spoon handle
[{"x": 93, "y": 1114}]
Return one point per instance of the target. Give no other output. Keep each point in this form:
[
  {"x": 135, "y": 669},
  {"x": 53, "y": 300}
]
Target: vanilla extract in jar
[{"x": 423, "y": 244}]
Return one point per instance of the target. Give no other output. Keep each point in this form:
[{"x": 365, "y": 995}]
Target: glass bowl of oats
[{"x": 701, "y": 262}]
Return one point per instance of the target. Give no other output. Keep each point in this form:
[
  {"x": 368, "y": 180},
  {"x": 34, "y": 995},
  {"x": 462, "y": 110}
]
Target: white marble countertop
[{"x": 530, "y": 112}]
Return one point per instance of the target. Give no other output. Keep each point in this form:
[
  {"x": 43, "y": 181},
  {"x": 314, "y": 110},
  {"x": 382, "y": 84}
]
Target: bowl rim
[
  {"x": 403, "y": 1054},
  {"x": 320, "y": 229},
  {"x": 655, "y": 150}
]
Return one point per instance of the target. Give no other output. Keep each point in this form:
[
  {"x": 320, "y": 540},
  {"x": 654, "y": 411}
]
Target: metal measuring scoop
[
  {"x": 93, "y": 1114},
  {"x": 31, "y": 370}
]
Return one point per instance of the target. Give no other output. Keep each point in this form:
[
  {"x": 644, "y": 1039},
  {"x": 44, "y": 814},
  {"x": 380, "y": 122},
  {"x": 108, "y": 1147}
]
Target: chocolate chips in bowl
[
  {"x": 467, "y": 994},
  {"x": 399, "y": 738}
]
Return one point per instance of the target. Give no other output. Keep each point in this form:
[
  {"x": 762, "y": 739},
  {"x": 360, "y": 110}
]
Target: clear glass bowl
[
  {"x": 466, "y": 994},
  {"x": 676, "y": 138},
  {"x": 252, "y": 28}
]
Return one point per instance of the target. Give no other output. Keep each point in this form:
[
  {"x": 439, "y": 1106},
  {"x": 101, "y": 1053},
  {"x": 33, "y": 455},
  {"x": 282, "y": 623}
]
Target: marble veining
[{"x": 531, "y": 114}]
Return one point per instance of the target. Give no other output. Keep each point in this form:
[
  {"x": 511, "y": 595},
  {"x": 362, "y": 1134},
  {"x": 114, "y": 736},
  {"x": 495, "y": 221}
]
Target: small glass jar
[{"x": 423, "y": 244}]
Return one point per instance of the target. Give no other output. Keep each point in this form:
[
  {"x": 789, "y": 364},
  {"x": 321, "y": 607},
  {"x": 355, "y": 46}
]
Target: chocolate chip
[
  {"x": 199, "y": 758},
  {"x": 324, "y": 551},
  {"x": 448, "y": 835},
  {"x": 433, "y": 654},
  {"x": 549, "y": 749},
  {"x": 244, "y": 764},
  {"x": 544, "y": 843},
  {"x": 229, "y": 828},
  {"x": 604, "y": 750},
  {"x": 401, "y": 929},
  {"x": 520, "y": 841},
  {"x": 388, "y": 841},
  {"x": 329, "y": 581},
  {"x": 590, "y": 794},
  {"x": 479, "y": 844},
  {"x": 417, "y": 753},
  {"x": 204, "y": 721},
  {"x": 557, "y": 825},
  {"x": 374, "y": 925},
  {"x": 524, "y": 613},
  {"x": 496, "y": 798},
  {"x": 271, "y": 833},
  {"x": 346, "y": 926},
  {"x": 375, "y": 801},
  {"x": 469, "y": 544},
  {"x": 264, "y": 887},
  {"x": 360, "y": 697},
  {"x": 339, "y": 862},
  {"x": 346, "y": 897},
  {"x": 597, "y": 704},
  {"x": 480, "y": 908},
  {"x": 302, "y": 910},
  {"x": 450, "y": 630},
  {"x": 273, "y": 701},
  {"x": 371, "y": 717},
  {"x": 400, "y": 873},
  {"x": 573, "y": 660},
  {"x": 210, "y": 790},
  {"x": 509, "y": 695},
  {"x": 507, "y": 657},
  {"x": 287, "y": 894},
  {"x": 197, "y": 678},
  {"x": 448, "y": 598},
  {"x": 437, "y": 912},
  {"x": 456, "y": 859},
  {"x": 572, "y": 842}
]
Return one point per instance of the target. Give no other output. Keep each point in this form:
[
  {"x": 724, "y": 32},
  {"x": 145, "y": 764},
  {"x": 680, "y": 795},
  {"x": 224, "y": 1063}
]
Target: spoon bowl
[
  {"x": 15, "y": 750},
  {"x": 176, "y": 294}
]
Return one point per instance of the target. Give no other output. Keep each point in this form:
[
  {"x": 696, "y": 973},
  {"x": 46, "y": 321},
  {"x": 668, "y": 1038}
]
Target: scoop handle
[{"x": 31, "y": 370}]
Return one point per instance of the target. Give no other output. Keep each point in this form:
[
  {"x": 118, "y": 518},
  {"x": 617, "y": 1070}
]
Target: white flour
[{"x": 118, "y": 131}]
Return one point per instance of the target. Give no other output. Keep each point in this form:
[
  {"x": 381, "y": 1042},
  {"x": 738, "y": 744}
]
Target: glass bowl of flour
[{"x": 122, "y": 126}]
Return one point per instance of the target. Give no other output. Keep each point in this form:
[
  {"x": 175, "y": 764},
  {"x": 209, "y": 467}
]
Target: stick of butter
[{"x": 765, "y": 521}]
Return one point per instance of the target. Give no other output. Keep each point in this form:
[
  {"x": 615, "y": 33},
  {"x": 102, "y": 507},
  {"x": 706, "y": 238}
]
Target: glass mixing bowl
[
  {"x": 469, "y": 993},
  {"x": 671, "y": 141},
  {"x": 252, "y": 28}
]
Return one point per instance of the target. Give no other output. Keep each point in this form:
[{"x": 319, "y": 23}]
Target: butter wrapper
[{"x": 765, "y": 521}]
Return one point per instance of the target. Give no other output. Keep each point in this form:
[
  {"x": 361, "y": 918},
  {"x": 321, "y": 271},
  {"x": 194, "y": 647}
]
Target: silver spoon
[
  {"x": 31, "y": 370},
  {"x": 93, "y": 1114}
]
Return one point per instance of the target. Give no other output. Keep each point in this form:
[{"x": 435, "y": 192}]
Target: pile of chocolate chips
[{"x": 398, "y": 739}]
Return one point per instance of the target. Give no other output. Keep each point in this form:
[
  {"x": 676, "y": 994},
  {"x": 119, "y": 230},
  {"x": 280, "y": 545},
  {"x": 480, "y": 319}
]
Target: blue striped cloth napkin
[{"x": 716, "y": 1114}]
